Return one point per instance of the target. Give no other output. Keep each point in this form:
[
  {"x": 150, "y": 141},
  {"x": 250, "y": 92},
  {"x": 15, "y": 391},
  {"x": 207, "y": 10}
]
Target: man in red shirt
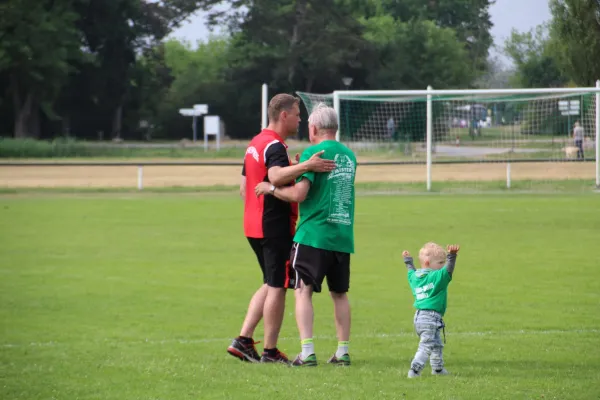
[{"x": 270, "y": 224}]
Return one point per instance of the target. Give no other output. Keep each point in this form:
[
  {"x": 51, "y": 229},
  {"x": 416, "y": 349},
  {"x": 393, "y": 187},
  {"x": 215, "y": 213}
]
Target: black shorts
[
  {"x": 313, "y": 265},
  {"x": 273, "y": 256}
]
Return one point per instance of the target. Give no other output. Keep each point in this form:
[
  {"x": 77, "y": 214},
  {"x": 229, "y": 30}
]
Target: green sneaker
[
  {"x": 342, "y": 361},
  {"x": 310, "y": 361}
]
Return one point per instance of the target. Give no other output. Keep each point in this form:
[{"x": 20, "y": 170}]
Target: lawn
[{"x": 137, "y": 296}]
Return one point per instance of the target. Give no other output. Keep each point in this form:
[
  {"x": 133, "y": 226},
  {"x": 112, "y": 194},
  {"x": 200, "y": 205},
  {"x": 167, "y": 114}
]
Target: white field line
[{"x": 359, "y": 336}]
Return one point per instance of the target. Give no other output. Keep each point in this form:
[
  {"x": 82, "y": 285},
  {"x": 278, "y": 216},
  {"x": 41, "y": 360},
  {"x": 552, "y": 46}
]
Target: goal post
[{"x": 516, "y": 138}]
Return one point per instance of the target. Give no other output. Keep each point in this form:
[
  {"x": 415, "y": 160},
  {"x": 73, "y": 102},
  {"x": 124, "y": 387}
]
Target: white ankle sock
[
  {"x": 342, "y": 349},
  {"x": 308, "y": 347}
]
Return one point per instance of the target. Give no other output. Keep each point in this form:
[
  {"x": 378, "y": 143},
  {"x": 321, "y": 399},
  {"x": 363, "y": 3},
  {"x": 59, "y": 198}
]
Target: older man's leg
[{"x": 305, "y": 318}]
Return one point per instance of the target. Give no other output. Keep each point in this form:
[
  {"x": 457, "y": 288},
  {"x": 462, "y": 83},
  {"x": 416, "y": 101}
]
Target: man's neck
[
  {"x": 323, "y": 138},
  {"x": 277, "y": 129}
]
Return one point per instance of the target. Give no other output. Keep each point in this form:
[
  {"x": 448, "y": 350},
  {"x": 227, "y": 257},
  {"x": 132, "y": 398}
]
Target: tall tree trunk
[
  {"x": 34, "y": 121},
  {"x": 309, "y": 83},
  {"x": 296, "y": 36},
  {"x": 117, "y": 121},
  {"x": 22, "y": 115},
  {"x": 66, "y": 126}
]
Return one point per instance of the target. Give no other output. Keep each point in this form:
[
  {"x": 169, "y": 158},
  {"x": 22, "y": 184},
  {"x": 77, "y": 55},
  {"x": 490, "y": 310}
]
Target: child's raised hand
[
  {"x": 405, "y": 253},
  {"x": 453, "y": 248}
]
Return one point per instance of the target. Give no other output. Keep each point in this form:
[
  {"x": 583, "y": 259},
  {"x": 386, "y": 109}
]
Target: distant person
[
  {"x": 270, "y": 224},
  {"x": 429, "y": 286},
  {"x": 391, "y": 127},
  {"x": 324, "y": 239},
  {"x": 579, "y": 136}
]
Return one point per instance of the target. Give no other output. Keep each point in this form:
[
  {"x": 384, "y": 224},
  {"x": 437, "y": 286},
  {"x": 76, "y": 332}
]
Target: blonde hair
[
  {"x": 279, "y": 103},
  {"x": 432, "y": 251}
]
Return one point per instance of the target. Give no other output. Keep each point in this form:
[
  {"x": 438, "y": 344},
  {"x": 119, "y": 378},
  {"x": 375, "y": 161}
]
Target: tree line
[{"x": 106, "y": 69}]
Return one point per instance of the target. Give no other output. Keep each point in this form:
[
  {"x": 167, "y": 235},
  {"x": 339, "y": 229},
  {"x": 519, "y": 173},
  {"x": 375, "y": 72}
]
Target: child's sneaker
[
  {"x": 413, "y": 374},
  {"x": 342, "y": 361},
  {"x": 442, "y": 371}
]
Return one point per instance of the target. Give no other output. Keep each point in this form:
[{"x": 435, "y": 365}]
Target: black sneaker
[
  {"x": 342, "y": 361},
  {"x": 310, "y": 361},
  {"x": 279, "y": 357},
  {"x": 244, "y": 351}
]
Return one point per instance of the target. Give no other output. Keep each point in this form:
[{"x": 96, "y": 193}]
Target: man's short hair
[
  {"x": 324, "y": 117},
  {"x": 281, "y": 102}
]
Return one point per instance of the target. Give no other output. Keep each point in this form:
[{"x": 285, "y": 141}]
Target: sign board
[
  {"x": 212, "y": 126},
  {"x": 201, "y": 108},
  {"x": 189, "y": 112},
  {"x": 568, "y": 107}
]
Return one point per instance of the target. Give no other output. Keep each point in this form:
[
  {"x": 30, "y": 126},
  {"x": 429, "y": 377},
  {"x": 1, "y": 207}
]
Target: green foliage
[
  {"x": 576, "y": 27},
  {"x": 405, "y": 49},
  {"x": 38, "y": 43},
  {"x": 70, "y": 148},
  {"x": 535, "y": 59}
]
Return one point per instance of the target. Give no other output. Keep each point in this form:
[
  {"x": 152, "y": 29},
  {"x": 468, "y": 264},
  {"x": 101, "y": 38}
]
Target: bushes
[{"x": 69, "y": 148}]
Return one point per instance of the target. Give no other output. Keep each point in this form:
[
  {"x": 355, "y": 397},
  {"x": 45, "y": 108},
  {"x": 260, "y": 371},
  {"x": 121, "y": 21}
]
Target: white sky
[{"x": 522, "y": 15}]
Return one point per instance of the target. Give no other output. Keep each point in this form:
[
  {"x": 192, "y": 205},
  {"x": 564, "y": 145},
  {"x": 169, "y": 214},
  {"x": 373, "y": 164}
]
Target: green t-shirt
[
  {"x": 327, "y": 214},
  {"x": 430, "y": 288}
]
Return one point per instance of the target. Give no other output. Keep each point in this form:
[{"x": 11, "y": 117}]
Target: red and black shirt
[{"x": 266, "y": 216}]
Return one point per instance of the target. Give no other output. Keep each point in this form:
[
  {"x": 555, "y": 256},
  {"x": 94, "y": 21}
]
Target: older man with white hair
[{"x": 324, "y": 238}]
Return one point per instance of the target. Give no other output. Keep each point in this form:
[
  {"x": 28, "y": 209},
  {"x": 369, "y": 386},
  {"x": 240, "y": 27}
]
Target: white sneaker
[
  {"x": 413, "y": 374},
  {"x": 443, "y": 371}
]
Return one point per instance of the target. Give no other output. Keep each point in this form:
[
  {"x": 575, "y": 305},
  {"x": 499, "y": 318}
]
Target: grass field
[{"x": 136, "y": 296}]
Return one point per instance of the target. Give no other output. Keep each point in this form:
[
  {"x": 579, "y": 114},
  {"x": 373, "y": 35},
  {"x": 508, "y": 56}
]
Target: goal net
[{"x": 529, "y": 140}]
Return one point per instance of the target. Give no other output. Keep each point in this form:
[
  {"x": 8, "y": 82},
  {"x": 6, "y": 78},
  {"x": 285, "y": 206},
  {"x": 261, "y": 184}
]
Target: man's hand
[
  {"x": 262, "y": 188},
  {"x": 297, "y": 158},
  {"x": 318, "y": 164},
  {"x": 405, "y": 253},
  {"x": 453, "y": 248}
]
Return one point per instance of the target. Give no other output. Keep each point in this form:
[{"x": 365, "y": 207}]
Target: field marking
[{"x": 325, "y": 337}]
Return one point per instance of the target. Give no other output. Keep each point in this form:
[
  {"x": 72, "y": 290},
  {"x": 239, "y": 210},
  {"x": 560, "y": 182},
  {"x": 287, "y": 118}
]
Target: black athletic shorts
[
  {"x": 313, "y": 265},
  {"x": 273, "y": 256}
]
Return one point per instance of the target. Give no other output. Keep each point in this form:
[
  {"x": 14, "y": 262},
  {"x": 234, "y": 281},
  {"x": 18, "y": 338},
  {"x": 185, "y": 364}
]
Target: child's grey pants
[{"x": 428, "y": 325}]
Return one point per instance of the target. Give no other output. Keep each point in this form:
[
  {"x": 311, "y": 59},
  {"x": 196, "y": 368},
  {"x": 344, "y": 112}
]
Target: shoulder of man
[{"x": 309, "y": 152}]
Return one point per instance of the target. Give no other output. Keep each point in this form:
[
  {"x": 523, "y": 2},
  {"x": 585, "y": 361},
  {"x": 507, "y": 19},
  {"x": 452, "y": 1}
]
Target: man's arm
[
  {"x": 280, "y": 176},
  {"x": 243, "y": 183},
  {"x": 243, "y": 188},
  {"x": 293, "y": 194},
  {"x": 280, "y": 171}
]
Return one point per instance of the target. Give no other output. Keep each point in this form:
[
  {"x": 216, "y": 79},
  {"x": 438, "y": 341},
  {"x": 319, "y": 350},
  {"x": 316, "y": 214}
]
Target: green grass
[
  {"x": 364, "y": 188},
  {"x": 136, "y": 297}
]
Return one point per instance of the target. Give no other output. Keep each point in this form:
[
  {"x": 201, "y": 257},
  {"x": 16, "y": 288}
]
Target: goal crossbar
[{"x": 431, "y": 94}]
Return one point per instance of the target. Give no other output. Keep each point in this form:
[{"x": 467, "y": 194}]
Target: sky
[{"x": 522, "y": 15}]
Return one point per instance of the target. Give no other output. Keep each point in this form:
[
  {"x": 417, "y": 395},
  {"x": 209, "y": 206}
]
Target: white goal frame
[{"x": 339, "y": 95}]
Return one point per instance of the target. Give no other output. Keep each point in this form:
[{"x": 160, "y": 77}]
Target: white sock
[
  {"x": 308, "y": 347},
  {"x": 342, "y": 349}
]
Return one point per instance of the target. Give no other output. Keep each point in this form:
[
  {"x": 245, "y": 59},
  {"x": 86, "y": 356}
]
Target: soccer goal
[{"x": 473, "y": 139}]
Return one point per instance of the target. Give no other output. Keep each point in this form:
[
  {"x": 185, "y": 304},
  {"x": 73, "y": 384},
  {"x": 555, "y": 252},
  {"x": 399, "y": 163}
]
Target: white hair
[{"x": 323, "y": 117}]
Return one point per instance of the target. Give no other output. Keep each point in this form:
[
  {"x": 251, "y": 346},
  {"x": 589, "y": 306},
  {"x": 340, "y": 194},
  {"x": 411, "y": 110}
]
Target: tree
[
  {"x": 534, "y": 58},
  {"x": 576, "y": 27},
  {"x": 116, "y": 34},
  {"x": 470, "y": 19},
  {"x": 497, "y": 75},
  {"x": 198, "y": 76},
  {"x": 38, "y": 41},
  {"x": 413, "y": 55}
]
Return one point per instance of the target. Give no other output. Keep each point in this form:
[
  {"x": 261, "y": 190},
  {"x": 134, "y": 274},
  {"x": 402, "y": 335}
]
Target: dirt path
[{"x": 161, "y": 176}]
